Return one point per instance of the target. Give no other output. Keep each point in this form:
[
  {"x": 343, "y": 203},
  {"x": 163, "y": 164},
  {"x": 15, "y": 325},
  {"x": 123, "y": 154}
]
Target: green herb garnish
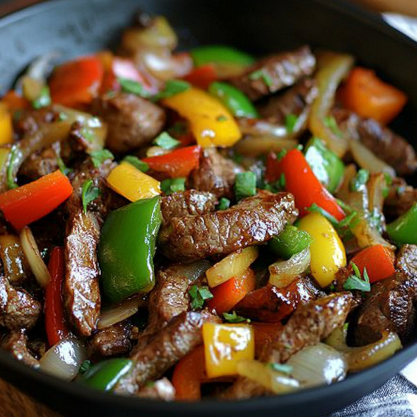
[
  {"x": 98, "y": 157},
  {"x": 165, "y": 141},
  {"x": 88, "y": 194},
  {"x": 172, "y": 88},
  {"x": 133, "y": 87},
  {"x": 173, "y": 185},
  {"x": 359, "y": 180},
  {"x": 281, "y": 367},
  {"x": 234, "y": 318},
  {"x": 331, "y": 123},
  {"x": 245, "y": 185},
  {"x": 62, "y": 167},
  {"x": 224, "y": 204},
  {"x": 290, "y": 122},
  {"x": 15, "y": 154},
  {"x": 355, "y": 281},
  {"x": 136, "y": 162},
  {"x": 221, "y": 118},
  {"x": 43, "y": 100},
  {"x": 85, "y": 366},
  {"x": 261, "y": 75},
  {"x": 198, "y": 296}
]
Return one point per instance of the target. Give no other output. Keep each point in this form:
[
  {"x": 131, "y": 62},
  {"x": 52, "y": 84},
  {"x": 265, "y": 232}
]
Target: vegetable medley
[{"x": 204, "y": 223}]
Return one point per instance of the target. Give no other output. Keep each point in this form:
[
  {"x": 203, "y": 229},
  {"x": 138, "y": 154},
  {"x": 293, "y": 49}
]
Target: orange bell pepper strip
[
  {"x": 76, "y": 83},
  {"x": 55, "y": 326},
  {"x": 202, "y": 77},
  {"x": 211, "y": 123},
  {"x": 6, "y": 126},
  {"x": 188, "y": 375},
  {"x": 305, "y": 186},
  {"x": 14, "y": 101},
  {"x": 228, "y": 294},
  {"x": 176, "y": 164},
  {"x": 30, "y": 202},
  {"x": 378, "y": 261},
  {"x": 368, "y": 96}
]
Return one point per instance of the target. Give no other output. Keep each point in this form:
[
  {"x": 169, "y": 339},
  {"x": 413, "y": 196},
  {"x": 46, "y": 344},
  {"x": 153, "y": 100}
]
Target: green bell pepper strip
[
  {"x": 235, "y": 101},
  {"x": 404, "y": 229},
  {"x": 220, "y": 54},
  {"x": 127, "y": 247},
  {"x": 289, "y": 242},
  {"x": 326, "y": 165},
  {"x": 105, "y": 375}
]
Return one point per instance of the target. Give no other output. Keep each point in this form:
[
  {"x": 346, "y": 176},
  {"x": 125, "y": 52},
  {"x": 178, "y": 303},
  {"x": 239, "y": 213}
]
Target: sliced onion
[
  {"x": 64, "y": 359},
  {"x": 156, "y": 151},
  {"x": 283, "y": 273},
  {"x": 261, "y": 145},
  {"x": 318, "y": 365},
  {"x": 274, "y": 381},
  {"x": 36, "y": 263},
  {"x": 366, "y": 159},
  {"x": 362, "y": 357},
  {"x": 118, "y": 313},
  {"x": 14, "y": 261}
]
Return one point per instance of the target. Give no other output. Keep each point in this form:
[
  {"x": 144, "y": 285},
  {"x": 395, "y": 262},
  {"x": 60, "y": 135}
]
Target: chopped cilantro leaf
[
  {"x": 88, "y": 194},
  {"x": 62, "y": 167},
  {"x": 355, "y": 281},
  {"x": 165, "y": 141},
  {"x": 224, "y": 204},
  {"x": 262, "y": 75},
  {"x": 281, "y": 367},
  {"x": 133, "y": 87},
  {"x": 234, "y": 318},
  {"x": 360, "y": 180},
  {"x": 245, "y": 185},
  {"x": 290, "y": 122},
  {"x": 331, "y": 123},
  {"x": 98, "y": 157},
  {"x": 173, "y": 185},
  {"x": 136, "y": 162},
  {"x": 282, "y": 181},
  {"x": 198, "y": 296},
  {"x": 314, "y": 208},
  {"x": 44, "y": 98},
  {"x": 172, "y": 88},
  {"x": 281, "y": 154}
]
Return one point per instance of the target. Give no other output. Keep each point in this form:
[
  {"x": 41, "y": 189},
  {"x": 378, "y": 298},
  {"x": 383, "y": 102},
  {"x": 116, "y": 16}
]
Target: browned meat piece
[
  {"x": 296, "y": 101},
  {"x": 271, "y": 304},
  {"x": 215, "y": 174},
  {"x": 165, "y": 349},
  {"x": 186, "y": 203},
  {"x": 132, "y": 121},
  {"x": 308, "y": 326},
  {"x": 391, "y": 148},
  {"x": 30, "y": 120},
  {"x": 400, "y": 198},
  {"x": 16, "y": 343},
  {"x": 390, "y": 303},
  {"x": 18, "y": 309},
  {"x": 254, "y": 220},
  {"x": 81, "y": 288},
  {"x": 113, "y": 340},
  {"x": 80, "y": 141},
  {"x": 275, "y": 72},
  {"x": 158, "y": 390}
]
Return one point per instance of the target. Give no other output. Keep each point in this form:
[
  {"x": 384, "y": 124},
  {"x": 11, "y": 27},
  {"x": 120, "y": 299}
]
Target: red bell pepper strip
[
  {"x": 188, "y": 375},
  {"x": 14, "y": 101},
  {"x": 228, "y": 294},
  {"x": 77, "y": 82},
  {"x": 304, "y": 185},
  {"x": 56, "y": 328},
  {"x": 176, "y": 164},
  {"x": 202, "y": 77},
  {"x": 32, "y": 201},
  {"x": 378, "y": 261}
]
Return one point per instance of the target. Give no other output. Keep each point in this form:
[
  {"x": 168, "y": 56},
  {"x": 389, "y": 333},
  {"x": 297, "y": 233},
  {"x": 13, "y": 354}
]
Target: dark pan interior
[{"x": 76, "y": 27}]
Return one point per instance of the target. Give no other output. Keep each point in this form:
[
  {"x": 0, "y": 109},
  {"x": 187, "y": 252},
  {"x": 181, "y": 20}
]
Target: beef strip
[
  {"x": 16, "y": 342},
  {"x": 388, "y": 146},
  {"x": 215, "y": 174},
  {"x": 113, "y": 340},
  {"x": 297, "y": 101},
  {"x": 158, "y": 390},
  {"x": 29, "y": 120},
  {"x": 165, "y": 349},
  {"x": 18, "y": 309},
  {"x": 132, "y": 121},
  {"x": 254, "y": 220},
  {"x": 184, "y": 203},
  {"x": 389, "y": 306},
  {"x": 400, "y": 198},
  {"x": 308, "y": 326},
  {"x": 275, "y": 72},
  {"x": 81, "y": 288},
  {"x": 271, "y": 304}
]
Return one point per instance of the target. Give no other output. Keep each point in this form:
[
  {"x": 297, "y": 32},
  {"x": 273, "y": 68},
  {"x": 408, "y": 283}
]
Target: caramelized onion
[{"x": 118, "y": 313}]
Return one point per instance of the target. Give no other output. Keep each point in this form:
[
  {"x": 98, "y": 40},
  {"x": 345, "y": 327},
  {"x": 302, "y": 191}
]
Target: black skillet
[{"x": 77, "y": 27}]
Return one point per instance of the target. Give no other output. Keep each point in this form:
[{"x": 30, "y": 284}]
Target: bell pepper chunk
[
  {"x": 304, "y": 185},
  {"x": 77, "y": 82},
  {"x": 6, "y": 127},
  {"x": 105, "y": 375},
  {"x": 132, "y": 183},
  {"x": 234, "y": 99},
  {"x": 176, "y": 164},
  {"x": 225, "y": 345},
  {"x": 56, "y": 329},
  {"x": 210, "y": 121},
  {"x": 30, "y": 202},
  {"x": 378, "y": 262},
  {"x": 289, "y": 242},
  {"x": 327, "y": 251},
  {"x": 404, "y": 229},
  {"x": 202, "y": 77},
  {"x": 127, "y": 247}
]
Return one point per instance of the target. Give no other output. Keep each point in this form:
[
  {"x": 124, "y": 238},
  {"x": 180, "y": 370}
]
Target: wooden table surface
[{"x": 12, "y": 402}]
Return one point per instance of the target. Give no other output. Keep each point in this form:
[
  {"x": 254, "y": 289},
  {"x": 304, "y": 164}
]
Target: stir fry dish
[{"x": 204, "y": 223}]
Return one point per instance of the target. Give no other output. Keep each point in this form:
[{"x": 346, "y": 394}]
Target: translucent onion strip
[
  {"x": 31, "y": 251},
  {"x": 118, "y": 313},
  {"x": 283, "y": 273},
  {"x": 64, "y": 359}
]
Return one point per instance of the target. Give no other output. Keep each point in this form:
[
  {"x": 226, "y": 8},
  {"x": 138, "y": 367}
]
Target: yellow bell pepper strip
[
  {"x": 327, "y": 251},
  {"x": 132, "y": 183},
  {"x": 6, "y": 127},
  {"x": 210, "y": 121},
  {"x": 225, "y": 345}
]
